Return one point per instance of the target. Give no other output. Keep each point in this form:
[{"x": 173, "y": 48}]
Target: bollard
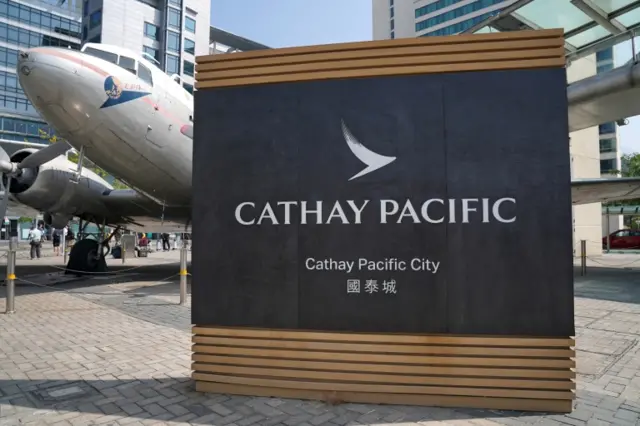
[
  {"x": 64, "y": 246},
  {"x": 122, "y": 250},
  {"x": 11, "y": 276},
  {"x": 583, "y": 257},
  {"x": 183, "y": 275}
]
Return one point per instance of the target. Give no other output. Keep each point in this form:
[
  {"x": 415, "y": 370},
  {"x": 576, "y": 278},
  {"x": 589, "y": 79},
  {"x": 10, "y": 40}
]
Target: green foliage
[
  {"x": 73, "y": 157},
  {"x": 630, "y": 168}
]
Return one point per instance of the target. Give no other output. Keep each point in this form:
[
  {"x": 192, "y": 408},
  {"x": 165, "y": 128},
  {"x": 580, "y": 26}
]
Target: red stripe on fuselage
[{"x": 105, "y": 74}]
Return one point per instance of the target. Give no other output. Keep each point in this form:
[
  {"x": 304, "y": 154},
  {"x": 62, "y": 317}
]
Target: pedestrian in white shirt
[{"x": 35, "y": 240}]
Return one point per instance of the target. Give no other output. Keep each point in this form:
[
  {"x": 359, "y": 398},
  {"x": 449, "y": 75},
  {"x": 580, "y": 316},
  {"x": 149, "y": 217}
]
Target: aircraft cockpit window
[
  {"x": 128, "y": 64},
  {"x": 107, "y": 56},
  {"x": 145, "y": 74}
]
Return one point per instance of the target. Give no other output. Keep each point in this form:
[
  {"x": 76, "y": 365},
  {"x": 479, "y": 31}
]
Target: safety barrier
[{"x": 11, "y": 278}]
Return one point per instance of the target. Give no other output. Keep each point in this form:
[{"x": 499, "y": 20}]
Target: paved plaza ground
[{"x": 114, "y": 350}]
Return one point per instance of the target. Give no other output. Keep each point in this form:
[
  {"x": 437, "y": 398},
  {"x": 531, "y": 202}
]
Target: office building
[
  {"x": 221, "y": 41},
  {"x": 24, "y": 24},
  {"x": 422, "y": 18},
  {"x": 171, "y": 32}
]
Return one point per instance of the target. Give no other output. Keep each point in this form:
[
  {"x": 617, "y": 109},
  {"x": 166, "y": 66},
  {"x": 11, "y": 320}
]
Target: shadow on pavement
[
  {"x": 173, "y": 397},
  {"x": 611, "y": 284}
]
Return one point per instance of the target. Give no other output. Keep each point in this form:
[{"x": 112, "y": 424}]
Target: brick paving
[{"x": 116, "y": 352}]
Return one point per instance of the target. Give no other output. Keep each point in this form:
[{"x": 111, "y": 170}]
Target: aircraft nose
[
  {"x": 50, "y": 78},
  {"x": 44, "y": 76}
]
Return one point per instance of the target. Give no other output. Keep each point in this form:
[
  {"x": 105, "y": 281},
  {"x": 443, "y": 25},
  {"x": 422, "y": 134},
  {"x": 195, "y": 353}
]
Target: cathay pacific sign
[{"x": 429, "y": 210}]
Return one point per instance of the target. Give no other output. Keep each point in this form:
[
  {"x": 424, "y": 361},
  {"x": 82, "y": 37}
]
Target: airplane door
[{"x": 157, "y": 129}]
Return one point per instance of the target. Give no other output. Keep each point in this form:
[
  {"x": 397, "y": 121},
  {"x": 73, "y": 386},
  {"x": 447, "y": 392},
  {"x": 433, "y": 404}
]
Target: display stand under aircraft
[{"x": 121, "y": 111}]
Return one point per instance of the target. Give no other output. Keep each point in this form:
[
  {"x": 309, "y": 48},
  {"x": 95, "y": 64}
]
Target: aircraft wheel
[{"x": 86, "y": 258}]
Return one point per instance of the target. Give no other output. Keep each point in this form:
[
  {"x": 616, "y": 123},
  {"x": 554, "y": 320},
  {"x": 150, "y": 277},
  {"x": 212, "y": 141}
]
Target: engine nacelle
[
  {"x": 48, "y": 189},
  {"x": 56, "y": 220}
]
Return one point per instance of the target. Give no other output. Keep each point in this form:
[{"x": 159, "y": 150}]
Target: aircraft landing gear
[{"x": 88, "y": 255}]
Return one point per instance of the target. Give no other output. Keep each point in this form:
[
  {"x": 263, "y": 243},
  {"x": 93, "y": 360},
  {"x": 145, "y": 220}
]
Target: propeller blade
[
  {"x": 5, "y": 162},
  {"x": 4, "y": 204},
  {"x": 44, "y": 155}
]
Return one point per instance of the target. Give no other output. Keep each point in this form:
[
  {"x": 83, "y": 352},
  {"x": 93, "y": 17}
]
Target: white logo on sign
[{"x": 371, "y": 159}]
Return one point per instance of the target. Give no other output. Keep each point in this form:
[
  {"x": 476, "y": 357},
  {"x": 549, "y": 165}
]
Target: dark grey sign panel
[{"x": 435, "y": 203}]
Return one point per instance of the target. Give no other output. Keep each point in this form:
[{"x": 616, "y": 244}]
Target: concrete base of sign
[{"x": 492, "y": 372}]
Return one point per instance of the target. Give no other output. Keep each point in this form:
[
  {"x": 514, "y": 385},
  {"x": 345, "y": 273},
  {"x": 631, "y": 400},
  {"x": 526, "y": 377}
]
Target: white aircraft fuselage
[{"x": 129, "y": 117}]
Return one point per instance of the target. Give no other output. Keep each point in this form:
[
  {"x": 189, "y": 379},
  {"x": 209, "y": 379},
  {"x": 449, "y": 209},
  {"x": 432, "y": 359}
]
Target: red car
[{"x": 623, "y": 239}]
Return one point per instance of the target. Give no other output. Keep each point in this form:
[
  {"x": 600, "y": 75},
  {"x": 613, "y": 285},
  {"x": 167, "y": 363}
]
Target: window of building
[
  {"x": 84, "y": 32},
  {"x": 188, "y": 86},
  {"x": 85, "y": 7},
  {"x": 189, "y": 46},
  {"x": 393, "y": 25},
  {"x": 172, "y": 65},
  {"x": 190, "y": 24},
  {"x": 188, "y": 68},
  {"x": 607, "y": 166},
  {"x": 107, "y": 56},
  {"x": 154, "y": 53},
  {"x": 173, "y": 41},
  {"x": 608, "y": 145},
  {"x": 391, "y": 13},
  {"x": 603, "y": 55},
  {"x": 606, "y": 128},
  {"x": 176, "y": 2},
  {"x": 95, "y": 20},
  {"x": 174, "y": 18},
  {"x": 151, "y": 31},
  {"x": 27, "y": 15},
  {"x": 127, "y": 63},
  {"x": 393, "y": 35},
  {"x": 145, "y": 74}
]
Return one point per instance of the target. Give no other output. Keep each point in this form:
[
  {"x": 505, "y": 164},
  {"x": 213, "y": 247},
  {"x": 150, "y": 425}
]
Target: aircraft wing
[
  {"x": 16, "y": 208},
  {"x": 138, "y": 212},
  {"x": 585, "y": 191}
]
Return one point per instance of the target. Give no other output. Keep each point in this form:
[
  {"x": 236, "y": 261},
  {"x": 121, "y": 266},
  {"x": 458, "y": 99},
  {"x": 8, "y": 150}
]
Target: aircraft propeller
[{"x": 12, "y": 170}]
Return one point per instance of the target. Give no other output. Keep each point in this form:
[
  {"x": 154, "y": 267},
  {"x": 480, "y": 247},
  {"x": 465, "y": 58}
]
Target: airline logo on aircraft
[
  {"x": 371, "y": 159},
  {"x": 119, "y": 93}
]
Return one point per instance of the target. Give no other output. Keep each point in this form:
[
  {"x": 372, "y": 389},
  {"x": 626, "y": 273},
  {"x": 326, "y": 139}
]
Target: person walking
[
  {"x": 35, "y": 240},
  {"x": 57, "y": 237}
]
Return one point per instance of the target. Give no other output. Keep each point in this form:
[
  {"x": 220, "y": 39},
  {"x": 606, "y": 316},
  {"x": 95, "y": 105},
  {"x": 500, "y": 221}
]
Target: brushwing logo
[
  {"x": 371, "y": 159},
  {"x": 118, "y": 93}
]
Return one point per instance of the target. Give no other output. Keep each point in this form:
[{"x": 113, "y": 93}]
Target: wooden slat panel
[
  {"x": 475, "y": 39},
  {"x": 382, "y": 72},
  {"x": 355, "y": 64},
  {"x": 388, "y": 348},
  {"x": 441, "y": 370},
  {"x": 517, "y": 50},
  {"x": 385, "y": 338},
  {"x": 386, "y": 358},
  {"x": 390, "y": 52},
  {"x": 336, "y": 377},
  {"x": 555, "y": 406},
  {"x": 382, "y": 388},
  {"x": 485, "y": 371}
]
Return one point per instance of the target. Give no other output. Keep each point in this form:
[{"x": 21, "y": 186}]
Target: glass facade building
[
  {"x": 169, "y": 32},
  {"x": 608, "y": 131},
  {"x": 434, "y": 17},
  {"x": 25, "y": 24}
]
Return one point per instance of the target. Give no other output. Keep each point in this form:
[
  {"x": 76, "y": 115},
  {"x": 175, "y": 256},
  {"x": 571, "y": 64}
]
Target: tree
[
  {"x": 629, "y": 167},
  {"x": 73, "y": 157}
]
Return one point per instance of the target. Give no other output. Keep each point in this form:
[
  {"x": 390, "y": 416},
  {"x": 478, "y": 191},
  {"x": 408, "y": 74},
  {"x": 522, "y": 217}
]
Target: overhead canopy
[{"x": 589, "y": 25}]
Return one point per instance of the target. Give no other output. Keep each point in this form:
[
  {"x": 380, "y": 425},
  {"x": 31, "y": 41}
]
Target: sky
[{"x": 285, "y": 23}]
